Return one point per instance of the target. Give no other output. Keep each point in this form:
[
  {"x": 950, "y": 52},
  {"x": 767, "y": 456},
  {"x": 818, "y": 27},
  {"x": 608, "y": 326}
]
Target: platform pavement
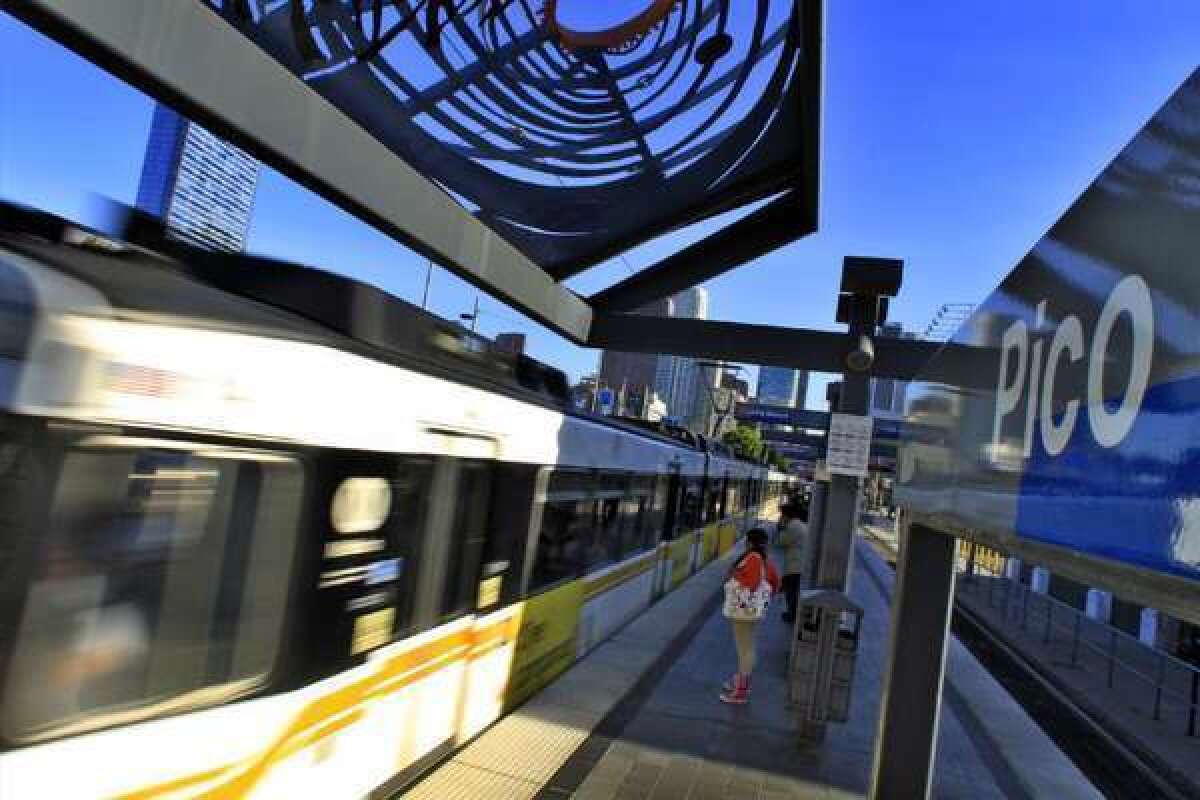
[
  {"x": 607, "y": 731},
  {"x": 525, "y": 754}
]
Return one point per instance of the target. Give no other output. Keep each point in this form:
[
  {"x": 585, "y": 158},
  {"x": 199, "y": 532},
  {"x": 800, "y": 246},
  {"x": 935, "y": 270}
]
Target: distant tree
[
  {"x": 745, "y": 441},
  {"x": 777, "y": 461}
]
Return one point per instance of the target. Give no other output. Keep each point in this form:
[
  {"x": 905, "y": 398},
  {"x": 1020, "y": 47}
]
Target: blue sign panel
[
  {"x": 781, "y": 415},
  {"x": 605, "y": 401},
  {"x": 799, "y": 451},
  {"x": 1087, "y": 433}
]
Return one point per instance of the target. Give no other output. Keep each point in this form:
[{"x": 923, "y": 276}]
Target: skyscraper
[
  {"x": 781, "y": 386},
  {"x": 677, "y": 380},
  {"x": 636, "y": 373},
  {"x": 801, "y": 388},
  {"x": 708, "y": 396},
  {"x": 511, "y": 343},
  {"x": 887, "y": 394},
  {"x": 200, "y": 186},
  {"x": 778, "y": 386}
]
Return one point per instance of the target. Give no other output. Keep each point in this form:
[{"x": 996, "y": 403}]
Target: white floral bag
[{"x": 746, "y": 604}]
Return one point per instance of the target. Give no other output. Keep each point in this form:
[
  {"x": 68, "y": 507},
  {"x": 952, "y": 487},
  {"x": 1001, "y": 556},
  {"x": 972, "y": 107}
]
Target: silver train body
[{"x": 245, "y": 551}]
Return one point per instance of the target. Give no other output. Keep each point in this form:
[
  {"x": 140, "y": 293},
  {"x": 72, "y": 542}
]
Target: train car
[{"x": 269, "y": 532}]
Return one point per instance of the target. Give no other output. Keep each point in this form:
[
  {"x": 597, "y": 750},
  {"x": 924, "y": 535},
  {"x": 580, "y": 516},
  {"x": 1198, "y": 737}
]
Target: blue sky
[{"x": 954, "y": 135}]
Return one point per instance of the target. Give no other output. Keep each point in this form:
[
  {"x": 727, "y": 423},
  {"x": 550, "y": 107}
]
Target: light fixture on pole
[
  {"x": 473, "y": 316},
  {"x": 722, "y": 413}
]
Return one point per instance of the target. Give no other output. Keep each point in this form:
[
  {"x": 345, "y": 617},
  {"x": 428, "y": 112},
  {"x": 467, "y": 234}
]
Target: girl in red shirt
[{"x": 751, "y": 568}]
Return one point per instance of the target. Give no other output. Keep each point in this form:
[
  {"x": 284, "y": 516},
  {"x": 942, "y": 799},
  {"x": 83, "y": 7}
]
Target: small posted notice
[{"x": 849, "y": 447}]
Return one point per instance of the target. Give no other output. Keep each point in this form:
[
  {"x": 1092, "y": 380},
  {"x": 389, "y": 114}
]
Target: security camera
[{"x": 861, "y": 357}]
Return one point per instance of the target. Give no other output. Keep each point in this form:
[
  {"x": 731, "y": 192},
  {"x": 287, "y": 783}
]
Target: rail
[{"x": 1148, "y": 678}]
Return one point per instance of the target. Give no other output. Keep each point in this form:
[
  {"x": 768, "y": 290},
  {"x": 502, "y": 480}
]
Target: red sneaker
[
  {"x": 731, "y": 683},
  {"x": 740, "y": 695}
]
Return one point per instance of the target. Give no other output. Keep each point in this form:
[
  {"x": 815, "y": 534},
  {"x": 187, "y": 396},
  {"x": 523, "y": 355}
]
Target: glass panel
[
  {"x": 691, "y": 509},
  {"x": 639, "y": 533},
  {"x": 467, "y": 538},
  {"x": 164, "y": 572},
  {"x": 605, "y": 546},
  {"x": 411, "y": 481},
  {"x": 562, "y": 481},
  {"x": 562, "y": 541},
  {"x": 718, "y": 507}
]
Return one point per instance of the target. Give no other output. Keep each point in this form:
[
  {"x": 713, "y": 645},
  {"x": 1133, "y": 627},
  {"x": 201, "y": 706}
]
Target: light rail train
[{"x": 269, "y": 532}]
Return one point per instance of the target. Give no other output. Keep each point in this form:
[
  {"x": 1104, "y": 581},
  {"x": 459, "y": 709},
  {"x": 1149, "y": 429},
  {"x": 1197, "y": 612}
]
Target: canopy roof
[
  {"x": 571, "y": 143},
  {"x": 567, "y": 130}
]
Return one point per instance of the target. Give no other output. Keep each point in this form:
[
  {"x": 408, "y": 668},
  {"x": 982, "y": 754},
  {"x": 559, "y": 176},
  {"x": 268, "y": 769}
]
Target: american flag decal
[{"x": 133, "y": 379}]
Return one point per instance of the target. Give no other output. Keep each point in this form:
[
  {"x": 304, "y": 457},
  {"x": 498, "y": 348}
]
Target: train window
[
  {"x": 605, "y": 544},
  {"x": 16, "y": 320},
  {"x": 467, "y": 537},
  {"x": 162, "y": 584},
  {"x": 411, "y": 480},
  {"x": 563, "y": 540},
  {"x": 639, "y": 529},
  {"x": 573, "y": 480},
  {"x": 712, "y": 500},
  {"x": 691, "y": 508},
  {"x": 504, "y": 550},
  {"x": 667, "y": 500},
  {"x": 660, "y": 513}
]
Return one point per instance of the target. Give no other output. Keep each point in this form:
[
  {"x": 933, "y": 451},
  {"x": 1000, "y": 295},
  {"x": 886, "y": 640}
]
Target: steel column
[
  {"x": 841, "y": 516},
  {"x": 837, "y": 532},
  {"x": 906, "y": 742}
]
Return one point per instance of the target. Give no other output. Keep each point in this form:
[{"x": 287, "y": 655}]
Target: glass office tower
[{"x": 201, "y": 186}]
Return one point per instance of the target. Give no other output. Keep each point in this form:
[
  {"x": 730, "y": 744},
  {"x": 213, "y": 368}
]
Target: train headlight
[{"x": 360, "y": 505}]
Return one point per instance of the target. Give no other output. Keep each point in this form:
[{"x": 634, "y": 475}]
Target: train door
[
  {"x": 668, "y": 493},
  {"x": 498, "y": 572}
]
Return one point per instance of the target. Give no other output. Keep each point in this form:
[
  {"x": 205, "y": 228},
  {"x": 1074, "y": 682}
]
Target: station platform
[{"x": 640, "y": 718}]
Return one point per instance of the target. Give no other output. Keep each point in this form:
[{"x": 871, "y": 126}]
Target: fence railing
[{"x": 1147, "y": 679}]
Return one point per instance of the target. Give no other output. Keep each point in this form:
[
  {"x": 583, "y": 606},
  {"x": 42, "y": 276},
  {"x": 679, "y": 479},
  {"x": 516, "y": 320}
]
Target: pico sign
[
  {"x": 1131, "y": 296},
  {"x": 1078, "y": 423}
]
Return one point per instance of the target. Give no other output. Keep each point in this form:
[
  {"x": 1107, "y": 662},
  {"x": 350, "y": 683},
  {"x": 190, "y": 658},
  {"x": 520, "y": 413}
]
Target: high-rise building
[
  {"x": 801, "y": 388},
  {"x": 887, "y": 394},
  {"x": 200, "y": 186},
  {"x": 511, "y": 343},
  {"x": 778, "y": 386},
  {"x": 781, "y": 386},
  {"x": 677, "y": 379},
  {"x": 730, "y": 380},
  {"x": 714, "y": 409},
  {"x": 634, "y": 370}
]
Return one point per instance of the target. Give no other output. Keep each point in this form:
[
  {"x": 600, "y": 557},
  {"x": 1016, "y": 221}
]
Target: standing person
[
  {"x": 752, "y": 581},
  {"x": 784, "y": 509},
  {"x": 793, "y": 538}
]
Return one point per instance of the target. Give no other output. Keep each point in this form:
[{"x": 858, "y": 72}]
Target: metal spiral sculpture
[{"x": 564, "y": 139}]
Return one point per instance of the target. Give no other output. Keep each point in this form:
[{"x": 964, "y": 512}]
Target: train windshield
[
  {"x": 16, "y": 323},
  {"x": 160, "y": 583}
]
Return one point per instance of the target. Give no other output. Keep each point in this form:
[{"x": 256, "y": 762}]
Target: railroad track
[{"x": 1114, "y": 767}]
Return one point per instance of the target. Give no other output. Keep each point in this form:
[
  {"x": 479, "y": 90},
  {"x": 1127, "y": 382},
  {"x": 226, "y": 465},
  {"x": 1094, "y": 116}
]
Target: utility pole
[
  {"x": 473, "y": 316},
  {"x": 428, "y": 277}
]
